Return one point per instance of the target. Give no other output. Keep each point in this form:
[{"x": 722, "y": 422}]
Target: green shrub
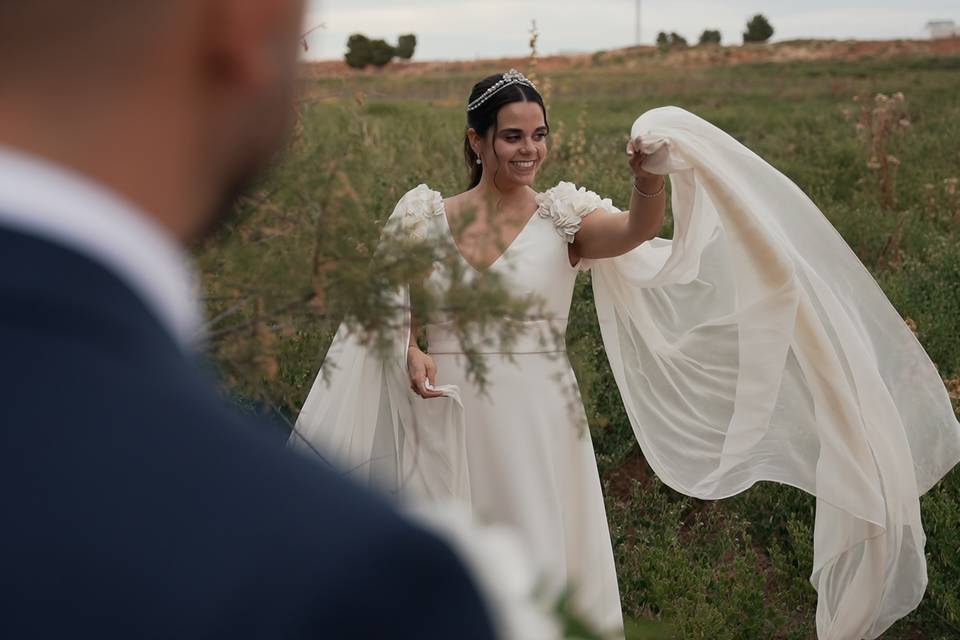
[
  {"x": 710, "y": 36},
  {"x": 406, "y": 45},
  {"x": 359, "y": 51},
  {"x": 759, "y": 29}
]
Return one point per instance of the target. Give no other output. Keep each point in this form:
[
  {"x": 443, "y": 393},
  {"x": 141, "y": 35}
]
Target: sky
[{"x": 468, "y": 29}]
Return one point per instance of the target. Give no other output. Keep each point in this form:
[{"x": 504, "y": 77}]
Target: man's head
[{"x": 176, "y": 104}]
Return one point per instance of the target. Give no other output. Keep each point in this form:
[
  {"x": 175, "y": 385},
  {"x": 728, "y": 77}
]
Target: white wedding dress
[
  {"x": 752, "y": 346},
  {"x": 530, "y": 458}
]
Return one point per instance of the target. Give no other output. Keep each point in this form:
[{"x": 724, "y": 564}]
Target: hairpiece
[{"x": 510, "y": 77}]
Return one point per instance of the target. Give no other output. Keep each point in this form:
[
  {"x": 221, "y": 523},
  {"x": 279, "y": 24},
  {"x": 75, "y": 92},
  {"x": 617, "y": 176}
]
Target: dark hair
[{"x": 485, "y": 116}]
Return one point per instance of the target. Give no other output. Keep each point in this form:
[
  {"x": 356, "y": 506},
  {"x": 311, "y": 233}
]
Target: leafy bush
[
  {"x": 359, "y": 51},
  {"x": 362, "y": 52},
  {"x": 669, "y": 41},
  {"x": 663, "y": 40},
  {"x": 381, "y": 53},
  {"x": 406, "y": 45},
  {"x": 710, "y": 36},
  {"x": 759, "y": 29}
]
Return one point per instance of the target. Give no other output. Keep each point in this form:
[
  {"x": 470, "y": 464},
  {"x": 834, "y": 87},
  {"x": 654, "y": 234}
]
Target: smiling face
[{"x": 514, "y": 150}]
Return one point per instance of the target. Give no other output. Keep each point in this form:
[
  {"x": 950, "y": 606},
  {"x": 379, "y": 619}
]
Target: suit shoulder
[{"x": 430, "y": 593}]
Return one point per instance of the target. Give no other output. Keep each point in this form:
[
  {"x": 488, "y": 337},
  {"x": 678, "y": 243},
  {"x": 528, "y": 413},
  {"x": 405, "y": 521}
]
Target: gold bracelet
[{"x": 650, "y": 195}]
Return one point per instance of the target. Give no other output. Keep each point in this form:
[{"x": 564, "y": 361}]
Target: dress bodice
[{"x": 534, "y": 265}]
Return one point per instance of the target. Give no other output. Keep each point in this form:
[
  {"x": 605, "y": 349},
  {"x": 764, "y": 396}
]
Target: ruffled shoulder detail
[
  {"x": 422, "y": 201},
  {"x": 566, "y": 205},
  {"x": 416, "y": 208}
]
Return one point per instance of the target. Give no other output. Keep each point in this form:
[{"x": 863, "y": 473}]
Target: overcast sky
[{"x": 464, "y": 29}]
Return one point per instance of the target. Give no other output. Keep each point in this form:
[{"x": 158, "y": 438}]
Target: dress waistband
[{"x": 538, "y": 335}]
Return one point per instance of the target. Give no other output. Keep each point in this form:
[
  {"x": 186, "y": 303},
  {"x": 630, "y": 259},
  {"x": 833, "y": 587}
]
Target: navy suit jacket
[{"x": 137, "y": 504}]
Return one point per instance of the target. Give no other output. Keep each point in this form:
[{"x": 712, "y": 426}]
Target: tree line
[
  {"x": 363, "y": 52},
  {"x": 759, "y": 29}
]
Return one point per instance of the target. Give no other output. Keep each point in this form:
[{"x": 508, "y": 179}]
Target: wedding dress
[{"x": 751, "y": 346}]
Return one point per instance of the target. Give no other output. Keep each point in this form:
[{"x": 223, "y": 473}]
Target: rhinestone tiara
[{"x": 510, "y": 77}]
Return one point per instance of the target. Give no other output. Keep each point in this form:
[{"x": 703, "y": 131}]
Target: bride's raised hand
[
  {"x": 422, "y": 370},
  {"x": 636, "y": 158}
]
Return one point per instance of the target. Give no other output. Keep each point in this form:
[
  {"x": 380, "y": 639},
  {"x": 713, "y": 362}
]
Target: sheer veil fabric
[
  {"x": 752, "y": 346},
  {"x": 756, "y": 346}
]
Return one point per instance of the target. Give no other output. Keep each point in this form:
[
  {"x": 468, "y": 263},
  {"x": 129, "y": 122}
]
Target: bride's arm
[{"x": 604, "y": 235}]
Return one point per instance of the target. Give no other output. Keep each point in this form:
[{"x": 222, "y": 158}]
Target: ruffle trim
[
  {"x": 567, "y": 205},
  {"x": 417, "y": 207}
]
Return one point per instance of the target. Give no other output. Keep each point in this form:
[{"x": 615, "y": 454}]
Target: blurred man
[{"x": 135, "y": 504}]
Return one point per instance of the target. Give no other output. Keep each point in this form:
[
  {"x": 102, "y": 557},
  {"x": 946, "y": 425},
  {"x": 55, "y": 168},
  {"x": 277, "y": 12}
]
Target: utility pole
[{"x": 638, "y": 34}]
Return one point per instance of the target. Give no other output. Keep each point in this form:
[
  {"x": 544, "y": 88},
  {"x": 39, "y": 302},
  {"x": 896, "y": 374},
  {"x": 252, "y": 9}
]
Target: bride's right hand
[{"x": 422, "y": 368}]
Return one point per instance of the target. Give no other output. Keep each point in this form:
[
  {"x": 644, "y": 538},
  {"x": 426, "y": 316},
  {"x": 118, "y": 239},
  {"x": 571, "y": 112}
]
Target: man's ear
[{"x": 246, "y": 41}]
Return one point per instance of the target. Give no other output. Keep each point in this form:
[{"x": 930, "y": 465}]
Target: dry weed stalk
[
  {"x": 543, "y": 87},
  {"x": 577, "y": 153},
  {"x": 948, "y": 207},
  {"x": 533, "y": 58},
  {"x": 953, "y": 203},
  {"x": 881, "y": 125}
]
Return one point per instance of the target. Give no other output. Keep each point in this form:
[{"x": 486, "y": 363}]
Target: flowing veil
[{"x": 754, "y": 345}]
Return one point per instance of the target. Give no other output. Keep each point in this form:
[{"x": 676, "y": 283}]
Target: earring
[{"x": 479, "y": 161}]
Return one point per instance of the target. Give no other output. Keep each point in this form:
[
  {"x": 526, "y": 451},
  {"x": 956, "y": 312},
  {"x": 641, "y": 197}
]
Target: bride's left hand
[{"x": 636, "y": 159}]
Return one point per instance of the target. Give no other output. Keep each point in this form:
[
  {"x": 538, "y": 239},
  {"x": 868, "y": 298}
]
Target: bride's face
[{"x": 520, "y": 142}]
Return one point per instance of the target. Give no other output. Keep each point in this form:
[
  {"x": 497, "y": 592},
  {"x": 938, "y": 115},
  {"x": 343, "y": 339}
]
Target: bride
[{"x": 752, "y": 346}]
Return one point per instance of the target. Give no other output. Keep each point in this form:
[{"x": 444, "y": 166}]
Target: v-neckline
[{"x": 453, "y": 239}]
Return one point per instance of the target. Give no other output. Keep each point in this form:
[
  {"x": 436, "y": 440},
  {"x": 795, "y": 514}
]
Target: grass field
[{"x": 732, "y": 569}]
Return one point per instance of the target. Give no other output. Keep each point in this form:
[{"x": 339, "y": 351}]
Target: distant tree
[
  {"x": 362, "y": 51},
  {"x": 381, "y": 53},
  {"x": 759, "y": 29},
  {"x": 359, "y": 51},
  {"x": 669, "y": 41},
  {"x": 406, "y": 45},
  {"x": 677, "y": 40},
  {"x": 710, "y": 36}
]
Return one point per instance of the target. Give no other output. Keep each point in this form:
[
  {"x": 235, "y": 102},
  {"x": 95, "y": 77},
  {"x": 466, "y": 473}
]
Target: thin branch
[
  {"x": 229, "y": 312},
  {"x": 322, "y": 25},
  {"x": 217, "y": 335}
]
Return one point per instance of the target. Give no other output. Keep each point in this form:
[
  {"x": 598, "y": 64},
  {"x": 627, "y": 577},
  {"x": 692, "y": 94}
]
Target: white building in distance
[{"x": 942, "y": 29}]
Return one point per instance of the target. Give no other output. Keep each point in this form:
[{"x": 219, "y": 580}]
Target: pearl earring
[{"x": 479, "y": 161}]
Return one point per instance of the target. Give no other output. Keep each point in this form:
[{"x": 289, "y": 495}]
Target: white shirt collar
[{"x": 49, "y": 201}]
